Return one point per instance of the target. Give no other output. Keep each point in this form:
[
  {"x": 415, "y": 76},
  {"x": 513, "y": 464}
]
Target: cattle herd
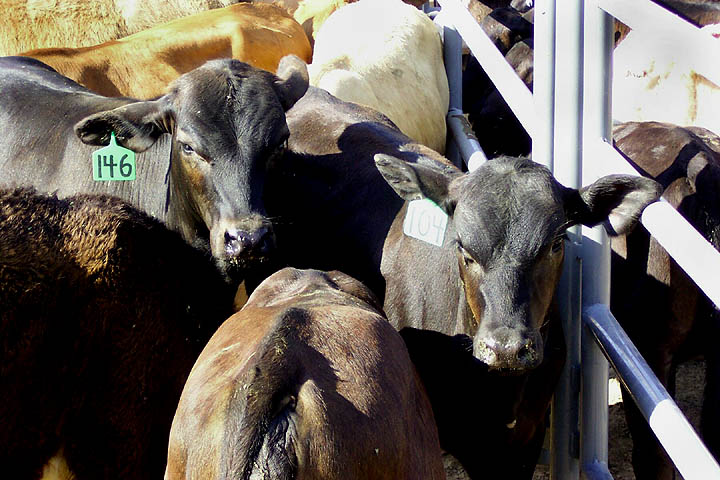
[{"x": 263, "y": 300}]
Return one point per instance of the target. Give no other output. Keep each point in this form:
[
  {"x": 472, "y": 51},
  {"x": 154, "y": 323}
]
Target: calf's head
[
  {"x": 509, "y": 219},
  {"x": 227, "y": 120}
]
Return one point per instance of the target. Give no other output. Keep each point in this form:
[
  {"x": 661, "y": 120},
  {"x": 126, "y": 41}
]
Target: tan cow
[
  {"x": 310, "y": 381},
  {"x": 386, "y": 55},
  {"x": 31, "y": 24},
  {"x": 143, "y": 64}
]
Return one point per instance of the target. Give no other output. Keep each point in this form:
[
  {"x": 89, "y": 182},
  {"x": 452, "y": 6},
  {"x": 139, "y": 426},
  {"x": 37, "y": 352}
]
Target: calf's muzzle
[
  {"x": 255, "y": 243},
  {"x": 509, "y": 349}
]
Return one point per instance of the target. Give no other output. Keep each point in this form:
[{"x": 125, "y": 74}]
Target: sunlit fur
[
  {"x": 143, "y": 64},
  {"x": 391, "y": 62}
]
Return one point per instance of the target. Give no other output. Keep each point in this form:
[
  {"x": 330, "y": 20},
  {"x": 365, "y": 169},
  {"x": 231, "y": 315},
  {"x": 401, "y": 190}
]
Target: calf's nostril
[
  {"x": 230, "y": 237},
  {"x": 525, "y": 353},
  {"x": 259, "y": 241},
  {"x": 237, "y": 241}
]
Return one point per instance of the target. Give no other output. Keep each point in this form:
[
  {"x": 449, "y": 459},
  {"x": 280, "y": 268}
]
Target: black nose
[{"x": 258, "y": 242}]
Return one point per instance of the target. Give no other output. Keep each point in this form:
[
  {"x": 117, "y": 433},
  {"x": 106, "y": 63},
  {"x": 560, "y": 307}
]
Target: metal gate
[{"x": 571, "y": 135}]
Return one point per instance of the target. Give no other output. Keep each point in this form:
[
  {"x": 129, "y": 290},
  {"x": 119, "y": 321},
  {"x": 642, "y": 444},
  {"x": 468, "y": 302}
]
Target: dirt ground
[{"x": 690, "y": 380}]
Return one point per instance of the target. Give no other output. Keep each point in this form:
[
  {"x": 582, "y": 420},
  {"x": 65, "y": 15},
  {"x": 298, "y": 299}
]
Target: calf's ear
[
  {"x": 414, "y": 181},
  {"x": 292, "y": 82},
  {"x": 137, "y": 126},
  {"x": 616, "y": 201}
]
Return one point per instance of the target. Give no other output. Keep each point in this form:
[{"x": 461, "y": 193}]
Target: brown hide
[
  {"x": 142, "y": 65},
  {"x": 664, "y": 313},
  {"x": 309, "y": 381},
  {"x": 103, "y": 311}
]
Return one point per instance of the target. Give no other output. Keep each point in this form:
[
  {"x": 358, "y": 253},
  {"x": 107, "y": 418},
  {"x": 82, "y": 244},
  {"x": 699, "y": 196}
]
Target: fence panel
[{"x": 573, "y": 56}]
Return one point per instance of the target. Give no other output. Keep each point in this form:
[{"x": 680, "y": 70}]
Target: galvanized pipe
[
  {"x": 687, "y": 451},
  {"x": 597, "y": 123},
  {"x": 512, "y": 89},
  {"x": 466, "y": 141},
  {"x": 567, "y": 149},
  {"x": 462, "y": 139},
  {"x": 544, "y": 81}
]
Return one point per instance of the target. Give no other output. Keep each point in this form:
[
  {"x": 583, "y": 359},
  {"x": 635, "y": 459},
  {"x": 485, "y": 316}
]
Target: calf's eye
[
  {"x": 467, "y": 258},
  {"x": 186, "y": 149}
]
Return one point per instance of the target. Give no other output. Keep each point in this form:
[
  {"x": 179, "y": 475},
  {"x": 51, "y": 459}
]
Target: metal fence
[{"x": 571, "y": 135}]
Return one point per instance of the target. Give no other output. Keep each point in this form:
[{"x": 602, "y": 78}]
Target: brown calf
[
  {"x": 309, "y": 381},
  {"x": 665, "y": 314}
]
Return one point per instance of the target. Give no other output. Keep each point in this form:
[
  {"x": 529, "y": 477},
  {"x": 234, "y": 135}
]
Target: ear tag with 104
[{"x": 425, "y": 221}]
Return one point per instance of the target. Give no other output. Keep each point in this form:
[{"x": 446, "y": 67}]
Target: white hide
[
  {"x": 387, "y": 55},
  {"x": 653, "y": 80}
]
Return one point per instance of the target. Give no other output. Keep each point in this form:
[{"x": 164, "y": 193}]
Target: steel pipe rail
[
  {"x": 579, "y": 64},
  {"x": 544, "y": 82},
  {"x": 650, "y": 18},
  {"x": 463, "y": 137},
  {"x": 513, "y": 90},
  {"x": 687, "y": 451},
  {"x": 567, "y": 163},
  {"x": 596, "y": 123}
]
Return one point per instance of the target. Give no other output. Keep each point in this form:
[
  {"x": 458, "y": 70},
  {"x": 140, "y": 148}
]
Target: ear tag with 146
[{"x": 113, "y": 162}]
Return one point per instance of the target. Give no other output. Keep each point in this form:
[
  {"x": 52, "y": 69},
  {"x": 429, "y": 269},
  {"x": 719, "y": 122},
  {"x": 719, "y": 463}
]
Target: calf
[
  {"x": 391, "y": 62},
  {"x": 103, "y": 311},
  {"x": 491, "y": 280},
  {"x": 143, "y": 64},
  {"x": 667, "y": 317},
  {"x": 308, "y": 380},
  {"x": 224, "y": 121}
]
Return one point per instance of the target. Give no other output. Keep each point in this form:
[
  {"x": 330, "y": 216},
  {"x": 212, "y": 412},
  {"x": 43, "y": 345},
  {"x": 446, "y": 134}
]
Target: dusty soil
[{"x": 690, "y": 380}]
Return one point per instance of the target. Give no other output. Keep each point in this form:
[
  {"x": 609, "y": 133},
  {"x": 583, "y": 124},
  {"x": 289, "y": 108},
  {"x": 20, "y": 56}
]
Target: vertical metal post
[
  {"x": 452, "y": 55},
  {"x": 544, "y": 82},
  {"x": 567, "y": 146},
  {"x": 597, "y": 124}
]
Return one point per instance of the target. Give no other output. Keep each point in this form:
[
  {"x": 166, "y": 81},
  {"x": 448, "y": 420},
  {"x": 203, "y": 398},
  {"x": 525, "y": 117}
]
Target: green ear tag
[
  {"x": 425, "y": 221},
  {"x": 113, "y": 162}
]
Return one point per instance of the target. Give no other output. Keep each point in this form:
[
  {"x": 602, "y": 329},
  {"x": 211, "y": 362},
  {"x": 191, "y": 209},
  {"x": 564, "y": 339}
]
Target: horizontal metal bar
[
  {"x": 513, "y": 90},
  {"x": 695, "y": 255},
  {"x": 677, "y": 436},
  {"x": 701, "y": 49}
]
